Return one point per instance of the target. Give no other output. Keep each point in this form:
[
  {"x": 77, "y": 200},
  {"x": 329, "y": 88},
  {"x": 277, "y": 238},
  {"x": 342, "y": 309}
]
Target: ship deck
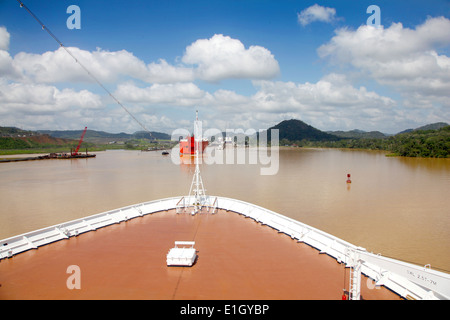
[{"x": 238, "y": 258}]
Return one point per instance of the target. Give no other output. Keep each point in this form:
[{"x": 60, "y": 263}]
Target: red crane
[{"x": 79, "y": 143}]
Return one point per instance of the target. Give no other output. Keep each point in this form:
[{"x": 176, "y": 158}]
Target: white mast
[{"x": 197, "y": 190}]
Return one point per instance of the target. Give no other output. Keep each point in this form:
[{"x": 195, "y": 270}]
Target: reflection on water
[{"x": 398, "y": 207}]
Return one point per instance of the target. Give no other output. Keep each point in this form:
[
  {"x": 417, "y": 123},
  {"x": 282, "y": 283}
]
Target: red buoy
[{"x": 348, "y": 178}]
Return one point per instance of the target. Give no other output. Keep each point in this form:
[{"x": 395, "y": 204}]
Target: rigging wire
[{"x": 22, "y": 5}]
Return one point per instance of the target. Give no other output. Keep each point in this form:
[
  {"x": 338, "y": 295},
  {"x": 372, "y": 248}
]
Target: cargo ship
[{"x": 189, "y": 145}]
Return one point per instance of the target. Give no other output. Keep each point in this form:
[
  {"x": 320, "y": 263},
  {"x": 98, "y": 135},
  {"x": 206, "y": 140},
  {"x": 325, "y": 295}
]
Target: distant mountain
[
  {"x": 406, "y": 131},
  {"x": 359, "y": 134},
  {"x": 296, "y": 130},
  {"x": 94, "y": 134},
  {"x": 76, "y": 134},
  {"x": 431, "y": 126},
  {"x": 151, "y": 135}
]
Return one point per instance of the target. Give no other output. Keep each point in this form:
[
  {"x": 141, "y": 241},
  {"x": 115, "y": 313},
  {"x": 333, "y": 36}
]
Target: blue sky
[{"x": 242, "y": 64}]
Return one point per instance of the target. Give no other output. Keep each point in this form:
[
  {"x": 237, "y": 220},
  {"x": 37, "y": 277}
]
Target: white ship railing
[
  {"x": 31, "y": 240},
  {"x": 408, "y": 280}
]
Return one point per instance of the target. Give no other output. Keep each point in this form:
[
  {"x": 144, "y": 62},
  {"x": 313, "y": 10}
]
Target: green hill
[
  {"x": 296, "y": 130},
  {"x": 431, "y": 126},
  {"x": 12, "y": 138},
  {"x": 433, "y": 143},
  {"x": 417, "y": 143},
  {"x": 430, "y": 141}
]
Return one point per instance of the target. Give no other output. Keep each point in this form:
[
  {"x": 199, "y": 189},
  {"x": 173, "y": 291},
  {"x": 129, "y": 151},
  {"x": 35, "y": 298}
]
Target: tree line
[{"x": 418, "y": 143}]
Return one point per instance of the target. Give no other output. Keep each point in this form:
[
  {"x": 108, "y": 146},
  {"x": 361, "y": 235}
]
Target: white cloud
[
  {"x": 21, "y": 98},
  {"x": 402, "y": 58},
  {"x": 59, "y": 66},
  {"x": 31, "y": 84},
  {"x": 4, "y": 38},
  {"x": 176, "y": 94},
  {"x": 367, "y": 43},
  {"x": 162, "y": 72},
  {"x": 40, "y": 106},
  {"x": 222, "y": 57},
  {"x": 7, "y": 68},
  {"x": 213, "y": 59},
  {"x": 331, "y": 103},
  {"x": 316, "y": 13}
]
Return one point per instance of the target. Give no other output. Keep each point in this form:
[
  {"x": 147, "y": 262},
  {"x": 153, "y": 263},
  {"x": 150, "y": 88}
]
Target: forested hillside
[{"x": 417, "y": 143}]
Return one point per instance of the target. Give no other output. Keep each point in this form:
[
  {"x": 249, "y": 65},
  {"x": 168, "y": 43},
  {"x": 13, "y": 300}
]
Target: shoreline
[{"x": 20, "y": 153}]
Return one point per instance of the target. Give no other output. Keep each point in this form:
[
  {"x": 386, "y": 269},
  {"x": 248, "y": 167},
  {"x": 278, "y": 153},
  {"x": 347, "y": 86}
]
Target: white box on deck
[{"x": 183, "y": 254}]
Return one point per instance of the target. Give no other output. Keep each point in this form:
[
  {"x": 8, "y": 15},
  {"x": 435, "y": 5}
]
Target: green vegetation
[
  {"x": 418, "y": 143},
  {"x": 13, "y": 143},
  {"x": 38, "y": 144},
  {"x": 430, "y": 141},
  {"x": 422, "y": 143}
]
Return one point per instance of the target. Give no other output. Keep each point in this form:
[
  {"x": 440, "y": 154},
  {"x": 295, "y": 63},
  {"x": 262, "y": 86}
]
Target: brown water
[{"x": 399, "y": 207}]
